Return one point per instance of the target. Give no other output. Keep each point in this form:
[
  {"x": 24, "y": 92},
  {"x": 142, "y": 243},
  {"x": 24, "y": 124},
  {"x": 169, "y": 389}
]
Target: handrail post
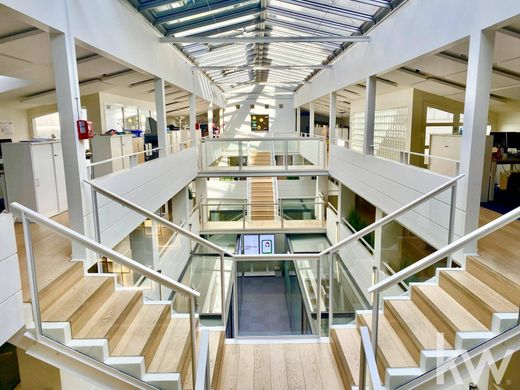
[
  {"x": 286, "y": 154},
  {"x": 281, "y": 213},
  {"x": 331, "y": 290},
  {"x": 375, "y": 321},
  {"x": 235, "y": 299},
  {"x": 31, "y": 270},
  {"x": 451, "y": 228},
  {"x": 97, "y": 229},
  {"x": 240, "y": 155},
  {"x": 193, "y": 334},
  {"x": 222, "y": 289},
  {"x": 243, "y": 216},
  {"x": 318, "y": 298}
]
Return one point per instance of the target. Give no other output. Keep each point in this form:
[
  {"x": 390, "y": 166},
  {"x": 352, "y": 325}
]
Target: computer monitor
[
  {"x": 151, "y": 126},
  {"x": 4, "y": 141}
]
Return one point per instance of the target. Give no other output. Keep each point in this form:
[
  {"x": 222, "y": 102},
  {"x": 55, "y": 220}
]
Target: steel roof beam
[
  {"x": 261, "y": 67},
  {"x": 213, "y": 19},
  {"x": 375, "y": 3},
  {"x": 268, "y": 39},
  {"x": 331, "y": 9},
  {"x": 221, "y": 30},
  {"x": 193, "y": 9},
  {"x": 312, "y": 19},
  {"x": 151, "y": 4}
]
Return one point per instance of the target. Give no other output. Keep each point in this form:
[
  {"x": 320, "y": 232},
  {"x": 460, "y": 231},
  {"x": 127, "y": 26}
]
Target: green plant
[{"x": 357, "y": 222}]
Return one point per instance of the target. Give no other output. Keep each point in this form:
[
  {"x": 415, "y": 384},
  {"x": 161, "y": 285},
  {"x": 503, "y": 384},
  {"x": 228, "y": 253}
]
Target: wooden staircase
[
  {"x": 262, "y": 193},
  {"x": 147, "y": 340},
  {"x": 461, "y": 309}
]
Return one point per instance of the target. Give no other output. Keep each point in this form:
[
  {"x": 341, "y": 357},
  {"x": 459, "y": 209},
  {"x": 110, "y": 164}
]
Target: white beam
[
  {"x": 160, "y": 107},
  {"x": 333, "y": 103},
  {"x": 311, "y": 119},
  {"x": 253, "y": 40},
  {"x": 476, "y": 108},
  {"x": 370, "y": 113},
  {"x": 193, "y": 118},
  {"x": 298, "y": 120},
  {"x": 260, "y": 67}
]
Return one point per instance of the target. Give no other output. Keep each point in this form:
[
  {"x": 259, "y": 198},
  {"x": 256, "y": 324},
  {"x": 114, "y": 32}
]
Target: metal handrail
[
  {"x": 245, "y": 139},
  {"x": 29, "y": 215},
  {"x": 394, "y": 215},
  {"x": 95, "y": 164},
  {"x": 367, "y": 358},
  {"x": 155, "y": 217},
  {"x": 362, "y": 239},
  {"x": 105, "y": 251},
  {"x": 447, "y": 250},
  {"x": 415, "y": 154}
]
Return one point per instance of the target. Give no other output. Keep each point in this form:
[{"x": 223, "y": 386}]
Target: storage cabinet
[
  {"x": 109, "y": 147},
  {"x": 35, "y": 176}
]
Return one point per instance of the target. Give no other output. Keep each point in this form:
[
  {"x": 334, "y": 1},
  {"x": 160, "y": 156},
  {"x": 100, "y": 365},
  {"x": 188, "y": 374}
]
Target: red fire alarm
[{"x": 85, "y": 129}]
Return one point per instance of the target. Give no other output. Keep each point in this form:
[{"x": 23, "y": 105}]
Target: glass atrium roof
[{"x": 282, "y": 64}]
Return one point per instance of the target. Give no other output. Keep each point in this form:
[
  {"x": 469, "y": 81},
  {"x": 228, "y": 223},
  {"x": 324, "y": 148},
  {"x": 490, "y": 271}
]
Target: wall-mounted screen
[{"x": 258, "y": 244}]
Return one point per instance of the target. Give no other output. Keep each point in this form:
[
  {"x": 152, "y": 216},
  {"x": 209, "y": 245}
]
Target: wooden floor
[
  {"x": 51, "y": 252},
  {"x": 504, "y": 243},
  {"x": 279, "y": 366}
]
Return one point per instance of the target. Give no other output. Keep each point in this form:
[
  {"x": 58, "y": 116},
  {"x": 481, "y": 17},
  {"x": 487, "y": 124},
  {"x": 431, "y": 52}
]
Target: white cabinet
[
  {"x": 110, "y": 147},
  {"x": 35, "y": 176}
]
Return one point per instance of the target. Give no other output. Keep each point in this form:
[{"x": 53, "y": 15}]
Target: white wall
[
  {"x": 305, "y": 187},
  {"x": 149, "y": 185},
  {"x": 121, "y": 34},
  {"x": 390, "y": 185},
  {"x": 218, "y": 189},
  {"x": 22, "y": 126},
  {"x": 11, "y": 306},
  {"x": 508, "y": 121},
  {"x": 281, "y": 120}
]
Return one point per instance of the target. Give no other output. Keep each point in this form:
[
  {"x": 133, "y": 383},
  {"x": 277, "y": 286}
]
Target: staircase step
[
  {"x": 112, "y": 313},
  {"x": 392, "y": 353},
  {"x": 413, "y": 327},
  {"x": 60, "y": 285},
  {"x": 141, "y": 337},
  {"x": 444, "y": 312},
  {"x": 478, "y": 298},
  {"x": 504, "y": 278},
  {"x": 346, "y": 344},
  {"x": 85, "y": 295},
  {"x": 173, "y": 348}
]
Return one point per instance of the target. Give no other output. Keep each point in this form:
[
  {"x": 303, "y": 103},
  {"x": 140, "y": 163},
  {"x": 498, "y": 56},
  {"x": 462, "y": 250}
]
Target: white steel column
[
  {"x": 210, "y": 120},
  {"x": 478, "y": 88},
  {"x": 298, "y": 120},
  {"x": 332, "y": 116},
  {"x": 193, "y": 120},
  {"x": 370, "y": 113},
  {"x": 221, "y": 119},
  {"x": 73, "y": 149},
  {"x": 160, "y": 107},
  {"x": 311, "y": 119}
]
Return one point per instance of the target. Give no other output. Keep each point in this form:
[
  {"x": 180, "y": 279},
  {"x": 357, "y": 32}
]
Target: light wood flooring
[
  {"x": 279, "y": 366},
  {"x": 503, "y": 245}
]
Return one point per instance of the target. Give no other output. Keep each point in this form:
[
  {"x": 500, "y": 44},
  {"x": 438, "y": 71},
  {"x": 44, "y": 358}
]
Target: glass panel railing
[{"x": 250, "y": 154}]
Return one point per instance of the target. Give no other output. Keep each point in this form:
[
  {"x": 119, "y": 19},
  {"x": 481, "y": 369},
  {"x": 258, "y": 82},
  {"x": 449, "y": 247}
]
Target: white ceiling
[{"x": 28, "y": 57}]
